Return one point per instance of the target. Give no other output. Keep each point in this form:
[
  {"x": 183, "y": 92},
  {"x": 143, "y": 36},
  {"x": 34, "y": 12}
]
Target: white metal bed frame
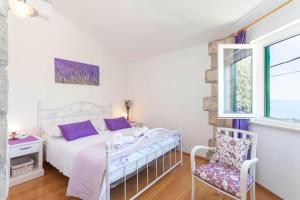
[
  {"x": 172, "y": 165},
  {"x": 86, "y": 110}
]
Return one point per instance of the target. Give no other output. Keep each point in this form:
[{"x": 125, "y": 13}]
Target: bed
[{"x": 122, "y": 162}]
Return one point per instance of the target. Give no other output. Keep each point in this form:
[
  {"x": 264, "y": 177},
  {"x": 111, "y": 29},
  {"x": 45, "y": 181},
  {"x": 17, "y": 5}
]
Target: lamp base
[
  {"x": 14, "y": 136},
  {"x": 127, "y": 111}
]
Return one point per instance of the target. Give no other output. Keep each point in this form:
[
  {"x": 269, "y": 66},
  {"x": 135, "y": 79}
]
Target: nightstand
[
  {"x": 30, "y": 147},
  {"x": 136, "y": 124}
]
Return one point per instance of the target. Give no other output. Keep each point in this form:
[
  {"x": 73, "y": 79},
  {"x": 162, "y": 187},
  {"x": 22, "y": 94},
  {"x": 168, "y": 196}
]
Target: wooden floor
[{"x": 176, "y": 185}]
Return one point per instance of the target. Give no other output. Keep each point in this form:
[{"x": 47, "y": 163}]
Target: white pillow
[
  {"x": 53, "y": 131},
  {"x": 99, "y": 124}
]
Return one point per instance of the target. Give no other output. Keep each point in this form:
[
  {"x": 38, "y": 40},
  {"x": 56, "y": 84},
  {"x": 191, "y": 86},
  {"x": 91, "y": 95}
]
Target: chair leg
[
  {"x": 252, "y": 193},
  {"x": 244, "y": 196},
  {"x": 193, "y": 188}
]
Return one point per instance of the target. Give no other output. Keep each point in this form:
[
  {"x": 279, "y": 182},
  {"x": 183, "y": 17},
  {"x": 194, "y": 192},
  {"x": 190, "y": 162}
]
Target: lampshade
[
  {"x": 14, "y": 127},
  {"x": 21, "y": 9},
  {"x": 124, "y": 114}
]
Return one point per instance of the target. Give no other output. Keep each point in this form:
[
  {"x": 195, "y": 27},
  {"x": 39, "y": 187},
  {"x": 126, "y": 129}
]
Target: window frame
[
  {"x": 267, "y": 108},
  {"x": 268, "y": 39},
  {"x": 267, "y": 100},
  {"x": 221, "y": 113}
]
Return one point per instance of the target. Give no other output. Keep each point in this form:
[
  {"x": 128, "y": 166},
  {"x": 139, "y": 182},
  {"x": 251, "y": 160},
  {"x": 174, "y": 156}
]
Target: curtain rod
[{"x": 265, "y": 16}]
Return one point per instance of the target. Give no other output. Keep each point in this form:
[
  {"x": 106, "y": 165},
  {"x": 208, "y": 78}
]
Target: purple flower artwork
[{"x": 70, "y": 72}]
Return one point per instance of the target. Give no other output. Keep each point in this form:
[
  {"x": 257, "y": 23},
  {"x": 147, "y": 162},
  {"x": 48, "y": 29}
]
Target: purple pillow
[
  {"x": 117, "y": 123},
  {"x": 77, "y": 130}
]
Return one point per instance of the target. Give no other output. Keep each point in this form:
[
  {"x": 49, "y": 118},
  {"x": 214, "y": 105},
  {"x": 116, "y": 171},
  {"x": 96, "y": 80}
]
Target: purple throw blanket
[{"x": 88, "y": 173}]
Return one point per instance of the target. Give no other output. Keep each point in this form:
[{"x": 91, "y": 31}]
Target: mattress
[{"x": 61, "y": 153}]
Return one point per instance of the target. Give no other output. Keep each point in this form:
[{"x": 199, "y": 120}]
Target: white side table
[{"x": 31, "y": 146}]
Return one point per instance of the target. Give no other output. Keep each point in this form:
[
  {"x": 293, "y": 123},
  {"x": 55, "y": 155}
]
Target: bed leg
[
  {"x": 181, "y": 152},
  {"x": 107, "y": 182}
]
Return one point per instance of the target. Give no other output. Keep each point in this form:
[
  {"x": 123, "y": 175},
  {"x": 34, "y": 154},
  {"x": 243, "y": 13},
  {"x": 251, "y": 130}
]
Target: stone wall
[
  {"x": 3, "y": 96},
  {"x": 210, "y": 104}
]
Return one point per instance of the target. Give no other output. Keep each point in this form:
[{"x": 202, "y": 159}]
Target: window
[
  {"x": 236, "y": 81},
  {"x": 282, "y": 80}
]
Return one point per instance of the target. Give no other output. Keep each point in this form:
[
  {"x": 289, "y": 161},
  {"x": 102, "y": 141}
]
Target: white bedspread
[{"x": 61, "y": 153}]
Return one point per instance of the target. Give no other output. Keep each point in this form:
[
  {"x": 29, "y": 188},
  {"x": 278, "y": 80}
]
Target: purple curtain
[
  {"x": 242, "y": 124},
  {"x": 240, "y": 38}
]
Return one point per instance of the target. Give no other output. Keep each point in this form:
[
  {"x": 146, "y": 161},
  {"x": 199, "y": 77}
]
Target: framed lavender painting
[{"x": 70, "y": 72}]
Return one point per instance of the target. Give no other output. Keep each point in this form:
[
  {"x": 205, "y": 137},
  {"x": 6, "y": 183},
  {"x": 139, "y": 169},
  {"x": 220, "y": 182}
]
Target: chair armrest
[
  {"x": 244, "y": 173},
  {"x": 193, "y": 153},
  {"x": 246, "y": 166}
]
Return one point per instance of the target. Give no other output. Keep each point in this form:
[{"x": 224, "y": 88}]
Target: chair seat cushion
[{"x": 222, "y": 176}]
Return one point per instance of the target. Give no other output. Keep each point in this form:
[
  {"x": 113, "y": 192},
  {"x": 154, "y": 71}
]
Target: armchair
[{"x": 225, "y": 178}]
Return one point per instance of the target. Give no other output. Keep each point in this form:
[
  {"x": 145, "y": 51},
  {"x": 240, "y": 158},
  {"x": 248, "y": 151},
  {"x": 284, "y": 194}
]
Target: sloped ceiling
[{"x": 138, "y": 29}]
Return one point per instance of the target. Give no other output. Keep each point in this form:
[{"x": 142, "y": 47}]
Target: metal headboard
[{"x": 77, "y": 111}]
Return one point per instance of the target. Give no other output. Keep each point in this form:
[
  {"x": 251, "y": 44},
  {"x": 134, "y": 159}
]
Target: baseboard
[
  {"x": 269, "y": 192},
  {"x": 198, "y": 156}
]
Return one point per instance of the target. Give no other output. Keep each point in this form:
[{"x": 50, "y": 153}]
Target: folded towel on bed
[
  {"x": 141, "y": 131},
  {"x": 88, "y": 173},
  {"x": 152, "y": 135},
  {"x": 117, "y": 139},
  {"x": 128, "y": 139}
]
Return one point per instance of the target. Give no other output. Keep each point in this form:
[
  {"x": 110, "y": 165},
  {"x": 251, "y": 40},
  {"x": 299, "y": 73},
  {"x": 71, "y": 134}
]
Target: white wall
[
  {"x": 169, "y": 89},
  {"x": 33, "y": 45},
  {"x": 278, "y": 150},
  {"x": 279, "y": 161}
]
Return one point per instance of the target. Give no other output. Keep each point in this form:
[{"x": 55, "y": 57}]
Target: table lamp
[{"x": 13, "y": 129}]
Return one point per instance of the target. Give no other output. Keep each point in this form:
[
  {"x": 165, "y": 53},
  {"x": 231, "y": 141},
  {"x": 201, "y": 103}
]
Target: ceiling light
[{"x": 21, "y": 9}]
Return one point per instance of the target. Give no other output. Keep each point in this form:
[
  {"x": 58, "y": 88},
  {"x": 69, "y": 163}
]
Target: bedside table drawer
[{"x": 23, "y": 150}]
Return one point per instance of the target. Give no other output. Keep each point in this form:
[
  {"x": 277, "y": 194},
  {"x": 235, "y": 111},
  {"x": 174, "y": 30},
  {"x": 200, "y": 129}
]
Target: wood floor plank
[{"x": 175, "y": 186}]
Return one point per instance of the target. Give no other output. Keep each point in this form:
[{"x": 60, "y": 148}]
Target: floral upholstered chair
[{"x": 232, "y": 167}]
